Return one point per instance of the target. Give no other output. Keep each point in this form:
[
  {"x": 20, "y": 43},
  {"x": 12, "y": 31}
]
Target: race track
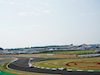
[{"x": 22, "y": 65}]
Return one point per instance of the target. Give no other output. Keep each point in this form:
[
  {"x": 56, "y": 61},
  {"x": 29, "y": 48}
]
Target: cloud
[
  {"x": 72, "y": 0},
  {"x": 52, "y": 0},
  {"x": 33, "y": 13},
  {"x": 32, "y": 8},
  {"x": 36, "y": 13},
  {"x": 22, "y": 13},
  {"x": 7, "y": 2},
  {"x": 13, "y": 3},
  {"x": 46, "y": 11},
  {"x": 40, "y": 12},
  {"x": 47, "y": 4}
]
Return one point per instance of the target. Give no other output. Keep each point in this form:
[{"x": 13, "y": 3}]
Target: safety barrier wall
[
  {"x": 89, "y": 55},
  {"x": 49, "y": 54},
  {"x": 65, "y": 55},
  {"x": 9, "y": 54}
]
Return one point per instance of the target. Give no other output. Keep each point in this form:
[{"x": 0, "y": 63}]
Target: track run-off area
[{"x": 21, "y": 64}]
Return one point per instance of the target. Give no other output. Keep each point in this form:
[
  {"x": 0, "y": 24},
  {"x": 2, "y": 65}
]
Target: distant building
[
  {"x": 83, "y": 47},
  {"x": 71, "y": 44},
  {"x": 1, "y": 48},
  {"x": 94, "y": 47}
]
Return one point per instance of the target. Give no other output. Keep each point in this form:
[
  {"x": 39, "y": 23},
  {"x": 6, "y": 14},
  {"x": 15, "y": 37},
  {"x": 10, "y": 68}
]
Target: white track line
[{"x": 11, "y": 62}]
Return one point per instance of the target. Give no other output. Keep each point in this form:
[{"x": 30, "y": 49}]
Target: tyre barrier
[{"x": 69, "y": 70}]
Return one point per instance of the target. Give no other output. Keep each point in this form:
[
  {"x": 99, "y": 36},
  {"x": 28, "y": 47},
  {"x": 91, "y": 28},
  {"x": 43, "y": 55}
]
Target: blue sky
[{"x": 26, "y": 23}]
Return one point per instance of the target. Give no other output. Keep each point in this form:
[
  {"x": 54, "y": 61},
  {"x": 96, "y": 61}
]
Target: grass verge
[
  {"x": 71, "y": 52},
  {"x": 82, "y": 63},
  {"x": 40, "y": 55}
]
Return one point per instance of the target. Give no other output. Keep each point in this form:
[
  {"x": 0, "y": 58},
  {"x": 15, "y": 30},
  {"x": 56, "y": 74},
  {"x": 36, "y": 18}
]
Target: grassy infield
[
  {"x": 89, "y": 63},
  {"x": 82, "y": 63}
]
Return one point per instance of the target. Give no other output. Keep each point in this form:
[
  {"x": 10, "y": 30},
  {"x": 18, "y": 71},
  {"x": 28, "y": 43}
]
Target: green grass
[
  {"x": 92, "y": 65},
  {"x": 45, "y": 55},
  {"x": 40, "y": 55},
  {"x": 71, "y": 52}
]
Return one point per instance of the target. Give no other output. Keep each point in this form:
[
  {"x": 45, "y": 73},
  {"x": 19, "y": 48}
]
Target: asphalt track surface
[{"x": 22, "y": 65}]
